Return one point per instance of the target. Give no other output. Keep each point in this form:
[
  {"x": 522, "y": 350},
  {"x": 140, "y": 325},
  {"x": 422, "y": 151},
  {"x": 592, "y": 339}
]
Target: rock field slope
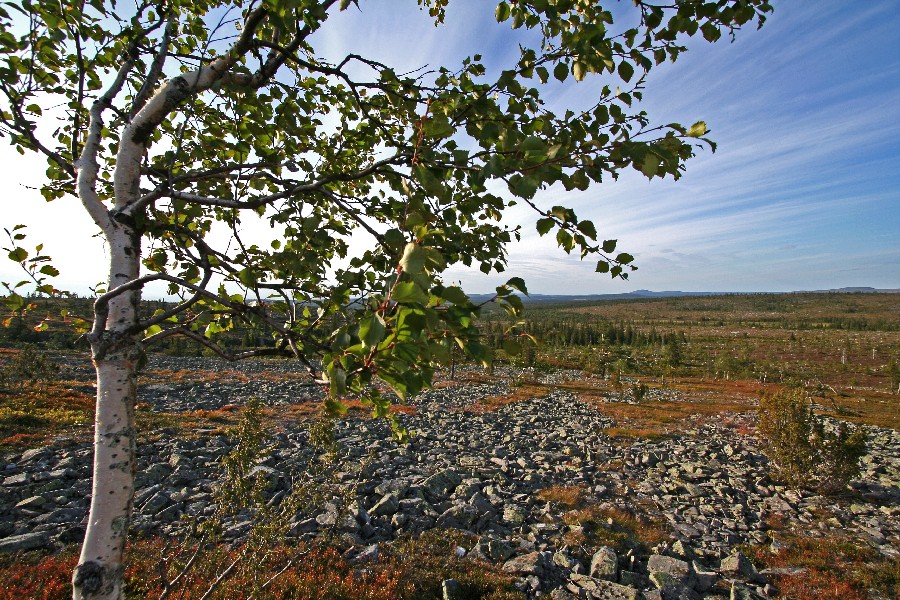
[{"x": 706, "y": 486}]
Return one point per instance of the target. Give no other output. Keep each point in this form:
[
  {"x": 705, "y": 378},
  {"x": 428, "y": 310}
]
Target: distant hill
[{"x": 638, "y": 294}]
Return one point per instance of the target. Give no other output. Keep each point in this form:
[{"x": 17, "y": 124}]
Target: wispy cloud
[{"x": 803, "y": 192}]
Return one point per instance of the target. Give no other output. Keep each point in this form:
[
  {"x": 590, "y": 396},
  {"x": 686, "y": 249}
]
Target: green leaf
[
  {"x": 588, "y": 229},
  {"x": 579, "y": 70},
  {"x": 455, "y": 295},
  {"x": 502, "y": 12},
  {"x": 49, "y": 270},
  {"x": 524, "y": 186},
  {"x": 609, "y": 245},
  {"x": 371, "y": 330},
  {"x": 337, "y": 377},
  {"x": 18, "y": 254},
  {"x": 602, "y": 266},
  {"x": 544, "y": 225},
  {"x": 438, "y": 126},
  {"x": 248, "y": 277},
  {"x": 394, "y": 238},
  {"x": 626, "y": 70},
  {"x": 698, "y": 129},
  {"x": 517, "y": 283},
  {"x": 650, "y": 166},
  {"x": 561, "y": 71},
  {"x": 512, "y": 305},
  {"x": 413, "y": 260},
  {"x": 533, "y": 144},
  {"x": 565, "y": 240},
  {"x": 408, "y": 292},
  {"x": 624, "y": 258},
  {"x": 512, "y": 347}
]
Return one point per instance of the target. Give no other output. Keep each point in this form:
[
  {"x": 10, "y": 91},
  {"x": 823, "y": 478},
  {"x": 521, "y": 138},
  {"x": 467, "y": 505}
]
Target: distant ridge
[{"x": 638, "y": 294}]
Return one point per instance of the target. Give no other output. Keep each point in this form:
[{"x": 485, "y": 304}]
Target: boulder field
[{"x": 505, "y": 475}]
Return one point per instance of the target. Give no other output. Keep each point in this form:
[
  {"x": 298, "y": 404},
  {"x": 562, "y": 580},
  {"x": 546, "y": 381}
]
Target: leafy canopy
[{"x": 324, "y": 151}]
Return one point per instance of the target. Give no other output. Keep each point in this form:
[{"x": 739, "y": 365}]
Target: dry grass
[
  {"x": 526, "y": 391},
  {"x": 568, "y": 496},
  {"x": 835, "y": 567},
  {"x": 605, "y": 525}
]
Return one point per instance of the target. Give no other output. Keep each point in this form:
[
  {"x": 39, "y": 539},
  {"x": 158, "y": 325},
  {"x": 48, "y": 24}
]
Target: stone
[
  {"x": 739, "y": 591},
  {"x": 368, "y": 554},
  {"x": 26, "y": 541},
  {"x": 494, "y": 549},
  {"x": 704, "y": 580},
  {"x": 460, "y": 516},
  {"x": 665, "y": 570},
  {"x": 156, "y": 503},
  {"x": 388, "y": 505},
  {"x": 738, "y": 566},
  {"x": 605, "y": 564},
  {"x": 514, "y": 515},
  {"x": 600, "y": 589},
  {"x": 527, "y": 564},
  {"x": 677, "y": 591},
  {"x": 33, "y": 502},
  {"x": 450, "y": 590},
  {"x": 439, "y": 485}
]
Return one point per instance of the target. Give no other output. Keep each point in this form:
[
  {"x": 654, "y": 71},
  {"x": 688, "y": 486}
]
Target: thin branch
[
  {"x": 87, "y": 165},
  {"x": 264, "y": 200},
  {"x": 155, "y": 68},
  {"x": 143, "y": 325},
  {"x": 352, "y": 214},
  {"x": 215, "y": 584},
  {"x": 169, "y": 586}
]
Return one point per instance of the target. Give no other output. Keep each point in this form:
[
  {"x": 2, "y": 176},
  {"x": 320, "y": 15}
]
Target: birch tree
[{"x": 171, "y": 119}]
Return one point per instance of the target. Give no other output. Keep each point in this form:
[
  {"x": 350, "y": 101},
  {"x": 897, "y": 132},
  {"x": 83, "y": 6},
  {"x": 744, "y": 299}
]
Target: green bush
[{"x": 804, "y": 451}]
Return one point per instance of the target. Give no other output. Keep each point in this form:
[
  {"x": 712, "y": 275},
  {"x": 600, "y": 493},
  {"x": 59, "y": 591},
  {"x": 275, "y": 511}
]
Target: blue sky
[{"x": 803, "y": 192}]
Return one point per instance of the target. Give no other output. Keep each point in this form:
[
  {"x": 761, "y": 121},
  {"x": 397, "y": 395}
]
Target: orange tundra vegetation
[{"x": 412, "y": 569}]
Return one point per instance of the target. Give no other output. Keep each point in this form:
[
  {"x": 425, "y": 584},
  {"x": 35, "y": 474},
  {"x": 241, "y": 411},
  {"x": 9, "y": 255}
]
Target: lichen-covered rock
[{"x": 605, "y": 564}]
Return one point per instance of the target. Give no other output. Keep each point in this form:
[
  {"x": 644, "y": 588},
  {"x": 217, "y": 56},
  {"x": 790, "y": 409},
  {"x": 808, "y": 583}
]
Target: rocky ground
[{"x": 707, "y": 487}]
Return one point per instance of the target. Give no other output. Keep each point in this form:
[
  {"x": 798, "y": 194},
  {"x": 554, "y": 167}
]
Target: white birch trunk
[
  {"x": 115, "y": 346},
  {"x": 100, "y": 569},
  {"x": 115, "y": 353}
]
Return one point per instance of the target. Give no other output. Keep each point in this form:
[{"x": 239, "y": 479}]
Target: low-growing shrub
[
  {"x": 28, "y": 368},
  {"x": 804, "y": 450}
]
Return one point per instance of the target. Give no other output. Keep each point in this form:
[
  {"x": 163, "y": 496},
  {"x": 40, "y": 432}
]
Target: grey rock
[
  {"x": 665, "y": 570},
  {"x": 603, "y": 590},
  {"x": 156, "y": 503},
  {"x": 25, "y": 542},
  {"x": 677, "y": 591},
  {"x": 739, "y": 591},
  {"x": 439, "y": 485},
  {"x": 493, "y": 549},
  {"x": 704, "y": 579},
  {"x": 738, "y": 566},
  {"x": 388, "y": 505},
  {"x": 514, "y": 515},
  {"x": 450, "y": 590},
  {"x": 32, "y": 502},
  {"x": 605, "y": 564},
  {"x": 528, "y": 564},
  {"x": 460, "y": 516}
]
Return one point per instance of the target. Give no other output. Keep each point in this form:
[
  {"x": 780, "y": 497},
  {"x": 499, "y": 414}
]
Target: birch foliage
[{"x": 169, "y": 119}]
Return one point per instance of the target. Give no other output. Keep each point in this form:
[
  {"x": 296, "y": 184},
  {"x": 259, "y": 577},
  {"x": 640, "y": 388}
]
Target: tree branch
[
  {"x": 87, "y": 165},
  {"x": 156, "y": 67},
  {"x": 313, "y": 186}
]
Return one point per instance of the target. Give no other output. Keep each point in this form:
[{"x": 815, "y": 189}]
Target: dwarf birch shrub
[{"x": 803, "y": 449}]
